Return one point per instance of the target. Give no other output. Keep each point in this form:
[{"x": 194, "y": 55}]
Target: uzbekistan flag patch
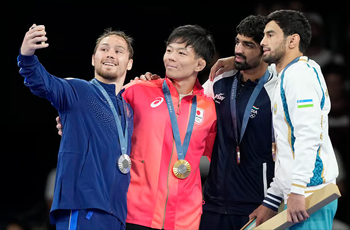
[{"x": 305, "y": 103}]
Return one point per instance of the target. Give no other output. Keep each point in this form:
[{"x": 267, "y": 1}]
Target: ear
[
  {"x": 201, "y": 63},
  {"x": 93, "y": 60},
  {"x": 131, "y": 61},
  {"x": 294, "y": 41}
]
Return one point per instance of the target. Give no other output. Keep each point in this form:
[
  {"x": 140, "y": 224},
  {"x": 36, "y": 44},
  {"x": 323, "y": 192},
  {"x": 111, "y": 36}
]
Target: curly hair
[{"x": 253, "y": 27}]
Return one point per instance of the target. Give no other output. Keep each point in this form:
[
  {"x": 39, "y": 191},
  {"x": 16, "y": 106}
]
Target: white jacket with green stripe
[{"x": 305, "y": 159}]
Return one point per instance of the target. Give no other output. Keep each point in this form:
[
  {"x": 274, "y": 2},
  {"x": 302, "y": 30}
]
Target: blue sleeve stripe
[
  {"x": 271, "y": 201},
  {"x": 270, "y": 206},
  {"x": 271, "y": 196}
]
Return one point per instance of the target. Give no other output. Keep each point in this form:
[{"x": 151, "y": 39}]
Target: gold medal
[{"x": 181, "y": 169}]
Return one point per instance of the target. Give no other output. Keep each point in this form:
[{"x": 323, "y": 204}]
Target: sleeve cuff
[
  {"x": 23, "y": 60},
  {"x": 272, "y": 201},
  {"x": 298, "y": 188}
]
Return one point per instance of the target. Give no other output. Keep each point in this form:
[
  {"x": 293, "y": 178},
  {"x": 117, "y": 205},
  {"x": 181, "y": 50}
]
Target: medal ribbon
[
  {"x": 181, "y": 149},
  {"x": 248, "y": 107},
  {"x": 122, "y": 139}
]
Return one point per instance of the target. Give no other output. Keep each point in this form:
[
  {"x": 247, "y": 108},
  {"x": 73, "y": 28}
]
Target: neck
[
  {"x": 118, "y": 82},
  {"x": 288, "y": 57},
  {"x": 255, "y": 73},
  {"x": 184, "y": 86}
]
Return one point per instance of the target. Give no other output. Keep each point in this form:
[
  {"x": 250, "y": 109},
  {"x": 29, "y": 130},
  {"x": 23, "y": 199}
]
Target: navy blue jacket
[
  {"x": 87, "y": 172},
  {"x": 232, "y": 188}
]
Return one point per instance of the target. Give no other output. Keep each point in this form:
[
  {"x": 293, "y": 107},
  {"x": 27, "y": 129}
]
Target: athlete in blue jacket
[
  {"x": 93, "y": 161},
  {"x": 242, "y": 165}
]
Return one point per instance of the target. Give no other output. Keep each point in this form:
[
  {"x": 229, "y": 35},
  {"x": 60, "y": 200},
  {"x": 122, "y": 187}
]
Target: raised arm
[{"x": 221, "y": 66}]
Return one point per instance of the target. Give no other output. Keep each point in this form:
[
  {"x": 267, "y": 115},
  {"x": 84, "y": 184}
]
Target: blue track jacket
[
  {"x": 88, "y": 176},
  {"x": 232, "y": 188}
]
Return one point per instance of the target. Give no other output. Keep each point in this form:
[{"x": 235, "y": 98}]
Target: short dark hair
[
  {"x": 293, "y": 22},
  {"x": 108, "y": 32},
  {"x": 252, "y": 27},
  {"x": 197, "y": 37}
]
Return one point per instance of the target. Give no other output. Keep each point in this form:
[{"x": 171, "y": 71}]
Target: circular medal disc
[
  {"x": 181, "y": 169},
  {"x": 124, "y": 163}
]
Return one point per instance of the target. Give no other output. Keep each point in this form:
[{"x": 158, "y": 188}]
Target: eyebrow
[
  {"x": 245, "y": 42},
  {"x": 116, "y": 46},
  {"x": 180, "y": 48},
  {"x": 270, "y": 32}
]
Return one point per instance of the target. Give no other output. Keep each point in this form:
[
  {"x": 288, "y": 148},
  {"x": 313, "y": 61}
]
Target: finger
[
  {"x": 32, "y": 27},
  {"x": 289, "y": 217},
  {"x": 300, "y": 217},
  {"x": 155, "y": 77},
  {"x": 58, "y": 119},
  {"x": 137, "y": 78},
  {"x": 304, "y": 215},
  {"x": 213, "y": 71},
  {"x": 220, "y": 71},
  {"x": 148, "y": 75},
  {"x": 295, "y": 218},
  {"x": 143, "y": 78}
]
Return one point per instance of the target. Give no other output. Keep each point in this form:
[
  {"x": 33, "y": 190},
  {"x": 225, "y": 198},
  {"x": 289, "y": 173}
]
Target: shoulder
[
  {"x": 225, "y": 75},
  {"x": 144, "y": 84}
]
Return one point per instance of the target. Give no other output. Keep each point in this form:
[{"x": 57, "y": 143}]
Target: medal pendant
[
  {"x": 238, "y": 155},
  {"x": 181, "y": 169},
  {"x": 124, "y": 163},
  {"x": 274, "y": 151}
]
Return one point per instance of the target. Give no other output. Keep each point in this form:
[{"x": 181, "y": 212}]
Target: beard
[
  {"x": 245, "y": 65},
  {"x": 108, "y": 75},
  {"x": 278, "y": 54}
]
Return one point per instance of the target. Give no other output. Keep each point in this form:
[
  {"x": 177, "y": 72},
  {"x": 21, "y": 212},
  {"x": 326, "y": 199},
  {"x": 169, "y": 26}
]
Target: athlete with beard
[
  {"x": 305, "y": 156},
  {"x": 242, "y": 163},
  {"x": 93, "y": 161}
]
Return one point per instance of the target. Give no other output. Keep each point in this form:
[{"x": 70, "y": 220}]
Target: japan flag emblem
[{"x": 199, "y": 116}]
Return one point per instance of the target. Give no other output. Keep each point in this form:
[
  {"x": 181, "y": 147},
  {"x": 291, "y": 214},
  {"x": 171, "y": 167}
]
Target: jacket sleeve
[
  {"x": 210, "y": 140},
  {"x": 43, "y": 84},
  {"x": 208, "y": 88},
  {"x": 304, "y": 98},
  {"x": 273, "y": 197}
]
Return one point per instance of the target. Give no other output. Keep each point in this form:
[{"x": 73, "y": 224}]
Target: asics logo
[{"x": 157, "y": 102}]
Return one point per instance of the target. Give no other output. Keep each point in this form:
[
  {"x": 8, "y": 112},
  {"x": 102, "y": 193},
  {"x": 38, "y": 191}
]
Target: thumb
[{"x": 32, "y": 27}]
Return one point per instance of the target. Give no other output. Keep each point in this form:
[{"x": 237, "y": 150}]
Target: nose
[
  {"x": 239, "y": 48},
  {"x": 263, "y": 41},
  {"x": 111, "y": 54},
  {"x": 171, "y": 56}
]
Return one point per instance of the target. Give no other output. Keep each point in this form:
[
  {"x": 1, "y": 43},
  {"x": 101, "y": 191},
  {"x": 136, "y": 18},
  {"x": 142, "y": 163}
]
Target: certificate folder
[{"x": 314, "y": 202}]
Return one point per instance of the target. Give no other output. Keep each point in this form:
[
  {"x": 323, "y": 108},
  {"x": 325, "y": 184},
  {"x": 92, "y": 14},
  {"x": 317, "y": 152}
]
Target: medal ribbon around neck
[
  {"x": 123, "y": 165},
  {"x": 181, "y": 148},
  {"x": 247, "y": 110}
]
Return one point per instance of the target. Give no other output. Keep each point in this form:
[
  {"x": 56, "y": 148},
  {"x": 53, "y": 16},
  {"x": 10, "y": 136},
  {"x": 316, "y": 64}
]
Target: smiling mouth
[{"x": 109, "y": 64}]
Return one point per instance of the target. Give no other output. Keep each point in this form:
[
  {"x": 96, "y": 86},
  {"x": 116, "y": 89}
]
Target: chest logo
[
  {"x": 219, "y": 97},
  {"x": 157, "y": 102},
  {"x": 254, "y": 112},
  {"x": 275, "y": 108},
  {"x": 199, "y": 116}
]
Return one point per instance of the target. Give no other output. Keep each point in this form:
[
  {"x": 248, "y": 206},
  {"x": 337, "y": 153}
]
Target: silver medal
[{"x": 124, "y": 163}]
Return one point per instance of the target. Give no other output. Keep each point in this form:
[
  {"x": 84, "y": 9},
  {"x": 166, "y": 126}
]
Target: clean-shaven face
[
  {"x": 247, "y": 53},
  {"x": 111, "y": 59},
  {"x": 180, "y": 61},
  {"x": 273, "y": 43}
]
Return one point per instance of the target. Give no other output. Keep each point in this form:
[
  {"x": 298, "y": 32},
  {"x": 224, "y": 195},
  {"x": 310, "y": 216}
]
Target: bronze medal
[
  {"x": 181, "y": 169},
  {"x": 274, "y": 151}
]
